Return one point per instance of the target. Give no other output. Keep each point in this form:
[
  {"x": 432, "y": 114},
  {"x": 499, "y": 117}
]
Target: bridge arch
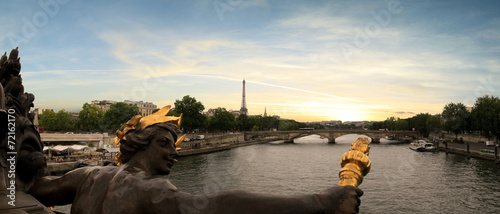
[{"x": 331, "y": 135}]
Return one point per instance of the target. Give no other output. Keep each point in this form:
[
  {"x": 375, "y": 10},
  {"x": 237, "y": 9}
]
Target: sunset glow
[{"x": 303, "y": 60}]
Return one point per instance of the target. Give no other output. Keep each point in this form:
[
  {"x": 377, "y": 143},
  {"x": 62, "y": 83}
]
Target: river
[{"x": 400, "y": 181}]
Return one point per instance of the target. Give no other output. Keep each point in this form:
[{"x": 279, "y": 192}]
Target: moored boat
[{"x": 422, "y": 146}]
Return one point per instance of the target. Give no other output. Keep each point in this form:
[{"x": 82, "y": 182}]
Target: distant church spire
[
  {"x": 265, "y": 111},
  {"x": 243, "y": 109}
]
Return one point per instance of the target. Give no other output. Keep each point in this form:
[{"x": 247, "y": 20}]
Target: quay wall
[
  {"x": 221, "y": 147},
  {"x": 466, "y": 137},
  {"x": 216, "y": 139},
  {"x": 473, "y": 152}
]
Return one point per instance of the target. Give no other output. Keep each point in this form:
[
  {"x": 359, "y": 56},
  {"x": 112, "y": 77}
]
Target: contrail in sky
[{"x": 273, "y": 85}]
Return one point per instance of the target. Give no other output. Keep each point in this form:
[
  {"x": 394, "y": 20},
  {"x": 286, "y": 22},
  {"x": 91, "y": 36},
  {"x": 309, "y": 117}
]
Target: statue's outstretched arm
[
  {"x": 58, "y": 190},
  {"x": 333, "y": 200}
]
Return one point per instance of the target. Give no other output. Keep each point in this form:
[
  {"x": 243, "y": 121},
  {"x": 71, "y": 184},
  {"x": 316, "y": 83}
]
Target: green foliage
[
  {"x": 192, "y": 117},
  {"x": 60, "y": 121},
  {"x": 48, "y": 120},
  {"x": 89, "y": 118},
  {"x": 288, "y": 125},
  {"x": 243, "y": 122},
  {"x": 434, "y": 123},
  {"x": 222, "y": 120},
  {"x": 377, "y": 126},
  {"x": 455, "y": 118},
  {"x": 420, "y": 122},
  {"x": 486, "y": 115},
  {"x": 117, "y": 115},
  {"x": 90, "y": 144},
  {"x": 402, "y": 125},
  {"x": 268, "y": 123},
  {"x": 255, "y": 128},
  {"x": 390, "y": 123}
]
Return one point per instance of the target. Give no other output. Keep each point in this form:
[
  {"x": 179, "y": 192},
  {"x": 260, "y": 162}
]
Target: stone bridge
[
  {"x": 100, "y": 139},
  {"x": 331, "y": 135}
]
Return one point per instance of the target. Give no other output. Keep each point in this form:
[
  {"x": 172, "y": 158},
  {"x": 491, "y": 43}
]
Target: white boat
[
  {"x": 422, "y": 146},
  {"x": 390, "y": 137}
]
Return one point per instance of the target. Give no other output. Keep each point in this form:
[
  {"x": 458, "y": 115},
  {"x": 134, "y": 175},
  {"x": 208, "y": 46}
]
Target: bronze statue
[
  {"x": 21, "y": 158},
  {"x": 148, "y": 147}
]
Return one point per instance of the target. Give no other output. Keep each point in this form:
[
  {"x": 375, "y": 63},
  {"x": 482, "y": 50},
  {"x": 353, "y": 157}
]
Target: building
[
  {"x": 235, "y": 113},
  {"x": 103, "y": 104},
  {"x": 331, "y": 123},
  {"x": 209, "y": 112},
  {"x": 38, "y": 111},
  {"x": 145, "y": 108}
]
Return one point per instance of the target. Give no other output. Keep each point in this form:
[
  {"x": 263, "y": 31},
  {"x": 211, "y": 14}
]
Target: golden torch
[{"x": 355, "y": 163}]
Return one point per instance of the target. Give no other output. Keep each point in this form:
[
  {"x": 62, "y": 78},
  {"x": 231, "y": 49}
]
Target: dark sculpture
[
  {"x": 20, "y": 144},
  {"x": 137, "y": 185},
  {"x": 21, "y": 158}
]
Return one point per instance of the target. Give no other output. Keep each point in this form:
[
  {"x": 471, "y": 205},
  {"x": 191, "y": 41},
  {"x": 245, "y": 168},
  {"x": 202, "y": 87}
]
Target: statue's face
[{"x": 161, "y": 151}]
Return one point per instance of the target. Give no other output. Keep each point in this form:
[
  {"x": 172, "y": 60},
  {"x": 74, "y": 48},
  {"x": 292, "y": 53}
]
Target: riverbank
[
  {"x": 473, "y": 138},
  {"x": 57, "y": 168},
  {"x": 477, "y": 150},
  {"x": 220, "y": 147}
]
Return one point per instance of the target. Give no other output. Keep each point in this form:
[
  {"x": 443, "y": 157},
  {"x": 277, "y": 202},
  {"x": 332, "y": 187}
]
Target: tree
[
  {"x": 455, "y": 118},
  {"x": 60, "y": 121},
  {"x": 377, "y": 126},
  {"x": 288, "y": 125},
  {"x": 401, "y": 125},
  {"x": 89, "y": 117},
  {"x": 267, "y": 123},
  {"x": 420, "y": 122},
  {"x": 222, "y": 120},
  {"x": 485, "y": 115},
  {"x": 243, "y": 122},
  {"x": 65, "y": 121},
  {"x": 48, "y": 120},
  {"x": 192, "y": 117},
  {"x": 434, "y": 123},
  {"x": 117, "y": 115},
  {"x": 390, "y": 123}
]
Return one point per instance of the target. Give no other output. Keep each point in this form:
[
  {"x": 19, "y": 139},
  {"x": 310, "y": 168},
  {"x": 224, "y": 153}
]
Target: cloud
[{"x": 403, "y": 112}]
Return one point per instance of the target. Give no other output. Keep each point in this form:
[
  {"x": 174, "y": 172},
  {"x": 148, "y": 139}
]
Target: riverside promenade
[
  {"x": 220, "y": 147},
  {"x": 477, "y": 150}
]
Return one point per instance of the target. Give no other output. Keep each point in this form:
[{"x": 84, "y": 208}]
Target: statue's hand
[{"x": 344, "y": 199}]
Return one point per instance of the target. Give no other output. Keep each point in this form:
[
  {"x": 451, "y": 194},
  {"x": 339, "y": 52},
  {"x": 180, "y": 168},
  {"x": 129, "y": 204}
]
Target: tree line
[
  {"x": 455, "y": 118},
  {"x": 223, "y": 120},
  {"x": 92, "y": 119}
]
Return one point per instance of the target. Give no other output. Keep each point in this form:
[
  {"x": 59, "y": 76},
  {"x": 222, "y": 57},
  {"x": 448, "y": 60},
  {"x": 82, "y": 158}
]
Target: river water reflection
[{"x": 400, "y": 181}]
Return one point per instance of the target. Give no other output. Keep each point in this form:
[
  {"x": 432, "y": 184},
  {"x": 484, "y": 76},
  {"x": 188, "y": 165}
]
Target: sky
[{"x": 302, "y": 60}]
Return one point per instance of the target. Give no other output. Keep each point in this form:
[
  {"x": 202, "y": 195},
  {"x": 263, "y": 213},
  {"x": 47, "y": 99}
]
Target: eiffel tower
[{"x": 243, "y": 109}]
